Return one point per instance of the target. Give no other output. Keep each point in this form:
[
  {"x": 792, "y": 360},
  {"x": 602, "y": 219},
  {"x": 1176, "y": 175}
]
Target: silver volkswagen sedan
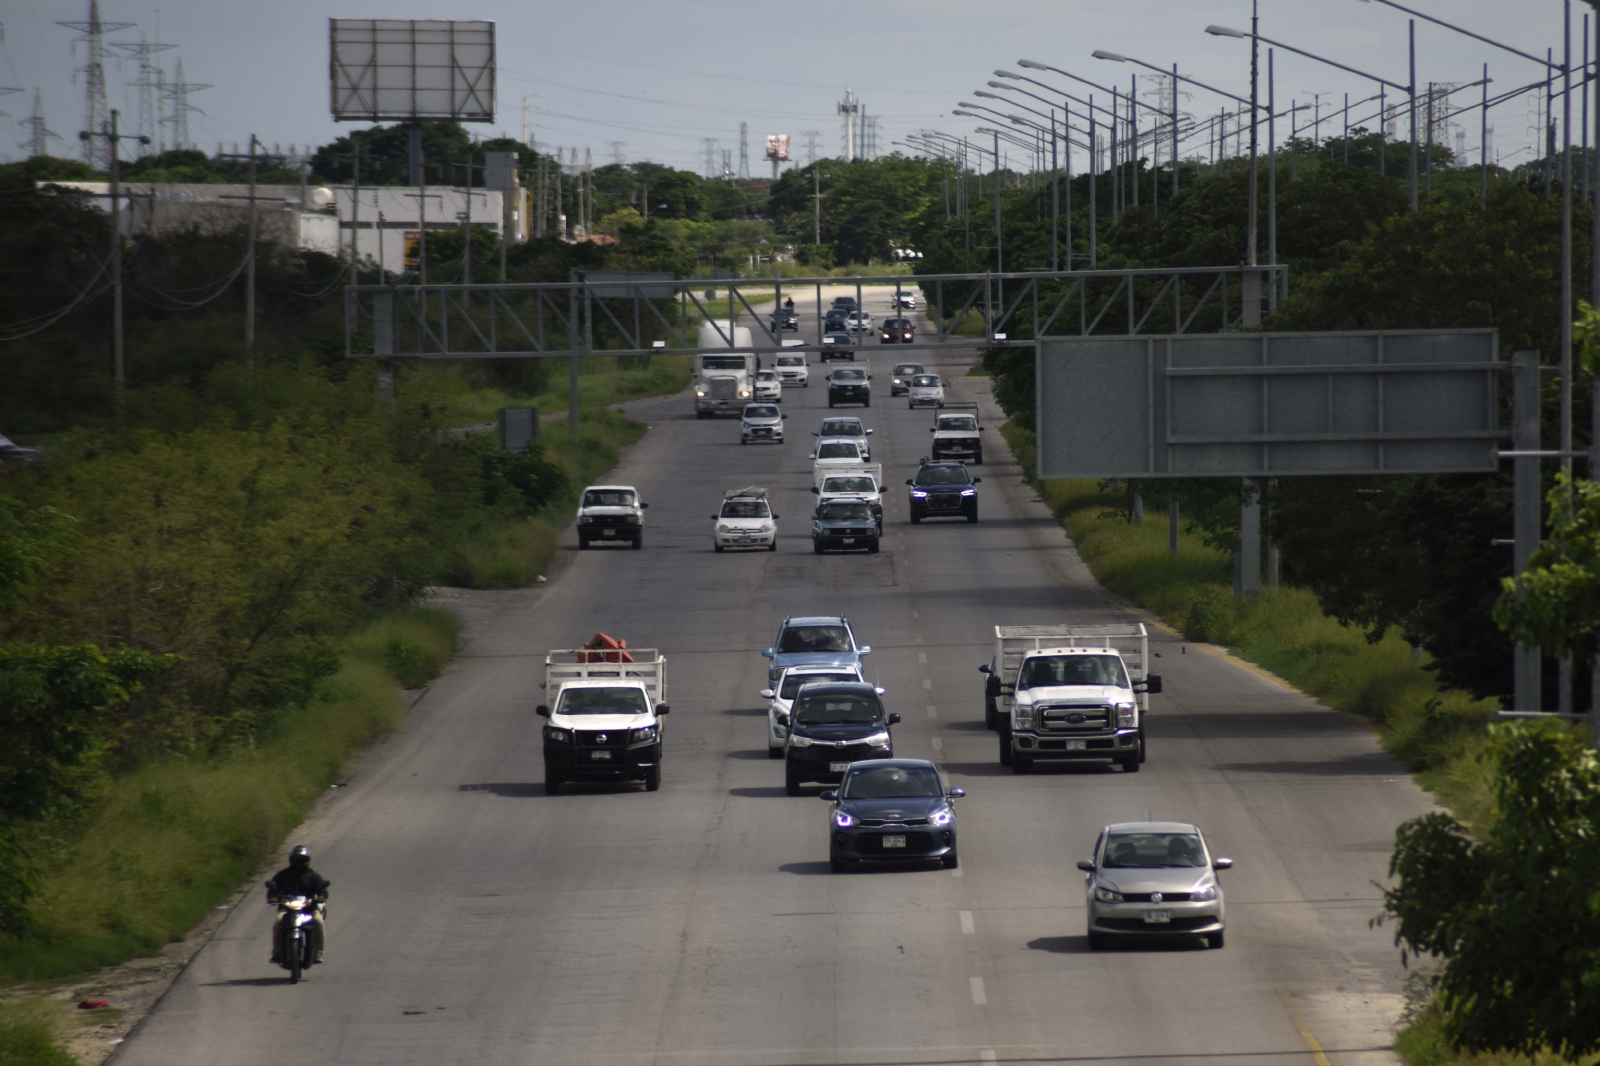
[{"x": 1153, "y": 879}]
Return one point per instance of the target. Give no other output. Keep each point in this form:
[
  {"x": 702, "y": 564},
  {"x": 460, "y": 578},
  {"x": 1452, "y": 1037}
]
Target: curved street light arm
[
  {"x": 1475, "y": 36},
  {"x": 1223, "y": 31}
]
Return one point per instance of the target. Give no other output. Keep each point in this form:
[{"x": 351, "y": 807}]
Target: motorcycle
[{"x": 293, "y": 932}]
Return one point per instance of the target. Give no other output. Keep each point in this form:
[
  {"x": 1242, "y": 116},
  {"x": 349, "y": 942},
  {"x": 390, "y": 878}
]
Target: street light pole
[{"x": 1255, "y": 54}]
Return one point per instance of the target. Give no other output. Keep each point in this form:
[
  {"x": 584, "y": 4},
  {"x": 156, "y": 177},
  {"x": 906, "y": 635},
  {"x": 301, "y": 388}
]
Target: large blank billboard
[
  {"x": 1268, "y": 404},
  {"x": 398, "y": 70}
]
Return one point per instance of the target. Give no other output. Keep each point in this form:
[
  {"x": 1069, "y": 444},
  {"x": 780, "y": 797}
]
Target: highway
[{"x": 476, "y": 920}]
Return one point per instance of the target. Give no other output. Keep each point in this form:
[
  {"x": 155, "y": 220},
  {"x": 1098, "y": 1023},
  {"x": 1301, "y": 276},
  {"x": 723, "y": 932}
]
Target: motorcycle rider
[{"x": 299, "y": 879}]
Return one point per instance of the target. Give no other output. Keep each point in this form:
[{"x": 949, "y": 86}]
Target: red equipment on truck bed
[{"x": 604, "y": 649}]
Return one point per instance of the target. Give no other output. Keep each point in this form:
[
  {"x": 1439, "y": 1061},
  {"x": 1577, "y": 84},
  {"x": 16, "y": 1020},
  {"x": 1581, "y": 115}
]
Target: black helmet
[{"x": 300, "y": 856}]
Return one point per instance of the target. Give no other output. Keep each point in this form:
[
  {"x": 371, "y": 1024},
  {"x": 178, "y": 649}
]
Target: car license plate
[
  {"x": 1157, "y": 917},
  {"x": 608, "y": 532},
  {"x": 848, "y": 540},
  {"x": 599, "y": 755},
  {"x": 838, "y": 767},
  {"x": 894, "y": 842},
  {"x": 1077, "y": 745}
]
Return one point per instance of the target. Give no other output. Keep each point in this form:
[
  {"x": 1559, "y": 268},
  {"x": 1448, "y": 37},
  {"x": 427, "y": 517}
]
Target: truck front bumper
[
  {"x": 1118, "y": 745},
  {"x": 579, "y": 763}
]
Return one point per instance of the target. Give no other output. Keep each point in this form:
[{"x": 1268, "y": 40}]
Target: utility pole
[
  {"x": 250, "y": 266},
  {"x": 112, "y": 136},
  {"x": 816, "y": 202},
  {"x": 355, "y": 208}
]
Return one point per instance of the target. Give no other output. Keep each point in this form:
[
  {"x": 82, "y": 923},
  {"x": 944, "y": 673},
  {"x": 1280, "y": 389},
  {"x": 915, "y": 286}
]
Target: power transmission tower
[
  {"x": 811, "y": 145},
  {"x": 178, "y": 92},
  {"x": 150, "y": 84},
  {"x": 96, "y": 150},
  {"x": 711, "y": 155},
  {"x": 849, "y": 107},
  {"x": 38, "y": 133},
  {"x": 727, "y": 163},
  {"x": 616, "y": 152},
  {"x": 744, "y": 151}
]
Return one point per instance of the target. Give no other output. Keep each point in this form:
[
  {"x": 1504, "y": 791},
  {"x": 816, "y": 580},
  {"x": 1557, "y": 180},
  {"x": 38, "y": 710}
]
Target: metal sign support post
[
  {"x": 1527, "y": 684},
  {"x": 574, "y": 341}
]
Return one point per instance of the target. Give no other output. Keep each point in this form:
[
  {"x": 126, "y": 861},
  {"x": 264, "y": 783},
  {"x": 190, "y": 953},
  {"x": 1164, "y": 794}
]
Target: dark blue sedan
[{"x": 892, "y": 810}]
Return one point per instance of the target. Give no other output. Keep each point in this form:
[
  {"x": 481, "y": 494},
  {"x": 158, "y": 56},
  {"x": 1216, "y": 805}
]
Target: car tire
[
  {"x": 830, "y": 401},
  {"x": 816, "y": 547},
  {"x": 774, "y": 753},
  {"x": 552, "y": 783},
  {"x": 773, "y": 546},
  {"x": 1021, "y": 764},
  {"x": 1144, "y": 749},
  {"x": 716, "y": 547},
  {"x": 973, "y": 517},
  {"x": 791, "y": 781},
  {"x": 867, "y": 402},
  {"x": 873, "y": 548},
  {"x": 1215, "y": 940},
  {"x": 583, "y": 544},
  {"x": 1130, "y": 765},
  {"x": 638, "y": 542},
  {"x": 837, "y": 865},
  {"x": 742, "y": 441},
  {"x": 991, "y": 720},
  {"x": 1097, "y": 942},
  {"x": 1005, "y": 747},
  {"x": 915, "y": 518},
  {"x": 951, "y": 861},
  {"x": 977, "y": 459},
  {"x": 652, "y": 779}
]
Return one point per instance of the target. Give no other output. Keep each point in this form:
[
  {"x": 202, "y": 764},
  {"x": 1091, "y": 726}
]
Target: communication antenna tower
[
  {"x": 178, "y": 92},
  {"x": 849, "y": 108},
  {"x": 38, "y": 133},
  {"x": 150, "y": 84},
  {"x": 744, "y": 151},
  {"x": 96, "y": 150}
]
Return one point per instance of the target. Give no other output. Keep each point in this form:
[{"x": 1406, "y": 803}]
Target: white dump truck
[
  {"x": 724, "y": 381},
  {"x": 1070, "y": 692},
  {"x": 604, "y": 705}
]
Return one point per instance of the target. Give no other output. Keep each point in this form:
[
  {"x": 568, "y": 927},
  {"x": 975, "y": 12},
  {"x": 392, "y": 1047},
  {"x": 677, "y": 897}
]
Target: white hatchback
[
  {"x": 792, "y": 370},
  {"x": 746, "y": 521},
  {"x": 780, "y": 698},
  {"x": 926, "y": 390}
]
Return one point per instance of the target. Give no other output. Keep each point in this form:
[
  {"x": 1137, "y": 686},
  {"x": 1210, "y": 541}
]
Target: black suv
[
  {"x": 832, "y": 725},
  {"x": 844, "y": 524},
  {"x": 849, "y": 385},
  {"x": 943, "y": 490}
]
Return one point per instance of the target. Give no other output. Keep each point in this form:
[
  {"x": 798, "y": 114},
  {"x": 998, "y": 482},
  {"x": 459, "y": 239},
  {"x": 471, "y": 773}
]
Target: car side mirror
[
  {"x": 1008, "y": 690},
  {"x": 869, "y": 432},
  {"x": 932, "y": 430},
  {"x": 894, "y": 718},
  {"x": 1086, "y": 866},
  {"x": 813, "y": 455},
  {"x": 766, "y": 653},
  {"x": 815, "y": 491},
  {"x": 662, "y": 708},
  {"x": 542, "y": 711},
  {"x": 985, "y": 669},
  {"x": 768, "y": 694},
  {"x": 814, "y": 433},
  {"x": 1222, "y": 864},
  {"x": 776, "y": 517},
  {"x": 829, "y": 794},
  {"x": 956, "y": 793},
  {"x": 644, "y": 506},
  {"x": 715, "y": 516},
  {"x": 865, "y": 649},
  {"x": 976, "y": 480},
  {"x": 908, "y": 481},
  {"x": 980, "y": 429},
  {"x": 1151, "y": 684}
]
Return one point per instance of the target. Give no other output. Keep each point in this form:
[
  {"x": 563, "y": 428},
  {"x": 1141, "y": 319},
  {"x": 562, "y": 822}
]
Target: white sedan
[
  {"x": 926, "y": 390},
  {"x": 781, "y": 698},
  {"x": 769, "y": 387}
]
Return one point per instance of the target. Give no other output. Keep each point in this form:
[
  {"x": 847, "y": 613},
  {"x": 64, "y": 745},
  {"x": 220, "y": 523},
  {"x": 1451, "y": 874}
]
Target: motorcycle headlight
[
  {"x": 878, "y": 740},
  {"x": 843, "y": 819},
  {"x": 1204, "y": 895},
  {"x": 560, "y": 736},
  {"x": 940, "y": 817},
  {"x": 799, "y": 741},
  {"x": 1126, "y": 716},
  {"x": 640, "y": 736},
  {"x": 1107, "y": 895}
]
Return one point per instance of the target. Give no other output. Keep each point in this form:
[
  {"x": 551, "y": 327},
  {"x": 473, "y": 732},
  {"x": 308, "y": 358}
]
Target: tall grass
[
  {"x": 457, "y": 397},
  {"x": 28, "y": 1029},
  {"x": 170, "y": 839}
]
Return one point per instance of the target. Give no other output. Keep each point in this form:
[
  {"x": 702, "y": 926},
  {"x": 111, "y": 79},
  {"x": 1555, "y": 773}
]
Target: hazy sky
[{"x": 661, "y": 76}]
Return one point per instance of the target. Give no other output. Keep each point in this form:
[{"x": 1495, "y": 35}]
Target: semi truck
[
  {"x": 725, "y": 370},
  {"x": 1070, "y": 692},
  {"x": 604, "y": 710}
]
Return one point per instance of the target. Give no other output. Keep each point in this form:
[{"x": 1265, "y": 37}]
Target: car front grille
[
  {"x": 871, "y": 532},
  {"x": 879, "y": 823},
  {"x": 609, "y": 520},
  {"x": 1056, "y": 718},
  {"x": 613, "y": 738},
  {"x": 916, "y": 844},
  {"x": 722, "y": 388},
  {"x": 1166, "y": 897},
  {"x": 947, "y": 501},
  {"x": 1177, "y": 925}
]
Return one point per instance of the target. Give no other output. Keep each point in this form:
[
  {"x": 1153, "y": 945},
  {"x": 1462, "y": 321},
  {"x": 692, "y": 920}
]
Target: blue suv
[{"x": 824, "y": 640}]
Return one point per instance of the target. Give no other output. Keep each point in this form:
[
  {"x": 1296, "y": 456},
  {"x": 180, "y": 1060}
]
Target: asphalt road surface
[{"x": 476, "y": 920}]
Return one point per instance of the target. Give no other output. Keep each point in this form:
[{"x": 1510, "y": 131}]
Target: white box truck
[
  {"x": 724, "y": 381},
  {"x": 1070, "y": 692},
  {"x": 604, "y": 707}
]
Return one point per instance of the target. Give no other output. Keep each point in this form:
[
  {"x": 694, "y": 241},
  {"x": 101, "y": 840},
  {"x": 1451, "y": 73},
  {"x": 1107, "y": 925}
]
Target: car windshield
[
  {"x": 958, "y": 423},
  {"x": 745, "y": 509},
  {"x": 602, "y": 701},
  {"x": 815, "y": 638},
  {"x": 896, "y": 323},
  {"x": 722, "y": 362},
  {"x": 793, "y": 681},
  {"x": 844, "y": 301},
  {"x": 838, "y": 710},
  {"x": 791, "y": 360},
  {"x": 607, "y": 498},
  {"x": 842, "y": 450},
  {"x": 847, "y": 484},
  {"x": 841, "y": 427},
  {"x": 766, "y": 375},
  {"x": 837, "y": 338},
  {"x": 845, "y": 510},
  {"x": 1153, "y": 849},
  {"x": 942, "y": 475},
  {"x": 849, "y": 375},
  {"x": 925, "y": 380},
  {"x": 1042, "y": 671},
  {"x": 907, "y": 369},
  {"x": 892, "y": 782},
  {"x": 766, "y": 411}
]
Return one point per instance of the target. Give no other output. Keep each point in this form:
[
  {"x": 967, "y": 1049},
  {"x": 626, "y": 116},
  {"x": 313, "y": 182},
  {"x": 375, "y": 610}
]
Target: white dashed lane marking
[
  {"x": 967, "y": 925},
  {"x": 933, "y": 712},
  {"x": 922, "y": 657},
  {"x": 979, "y": 999},
  {"x": 927, "y": 684},
  {"x": 938, "y": 745}
]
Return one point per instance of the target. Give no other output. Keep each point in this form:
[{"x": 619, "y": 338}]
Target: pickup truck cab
[
  {"x": 604, "y": 718},
  {"x": 792, "y": 370},
  {"x": 814, "y": 640},
  {"x": 956, "y": 434},
  {"x": 850, "y": 428},
  {"x": 610, "y": 514},
  {"x": 853, "y": 488}
]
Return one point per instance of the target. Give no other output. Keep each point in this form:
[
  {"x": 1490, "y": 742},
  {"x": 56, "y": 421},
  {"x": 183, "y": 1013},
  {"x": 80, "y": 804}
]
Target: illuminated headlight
[
  {"x": 878, "y": 740},
  {"x": 1126, "y": 715},
  {"x": 843, "y": 819},
  {"x": 1107, "y": 895},
  {"x": 700, "y": 392},
  {"x": 639, "y": 736},
  {"x": 724, "y": 528},
  {"x": 1204, "y": 895},
  {"x": 558, "y": 735},
  {"x": 744, "y": 392},
  {"x": 918, "y": 493},
  {"x": 799, "y": 741},
  {"x": 633, "y": 520},
  {"x": 969, "y": 492},
  {"x": 940, "y": 817}
]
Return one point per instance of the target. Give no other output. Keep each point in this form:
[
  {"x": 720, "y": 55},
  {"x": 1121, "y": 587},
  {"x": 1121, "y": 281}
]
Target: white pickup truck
[
  {"x": 1070, "y": 692},
  {"x": 838, "y": 455},
  {"x": 604, "y": 714},
  {"x": 854, "y": 486}
]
